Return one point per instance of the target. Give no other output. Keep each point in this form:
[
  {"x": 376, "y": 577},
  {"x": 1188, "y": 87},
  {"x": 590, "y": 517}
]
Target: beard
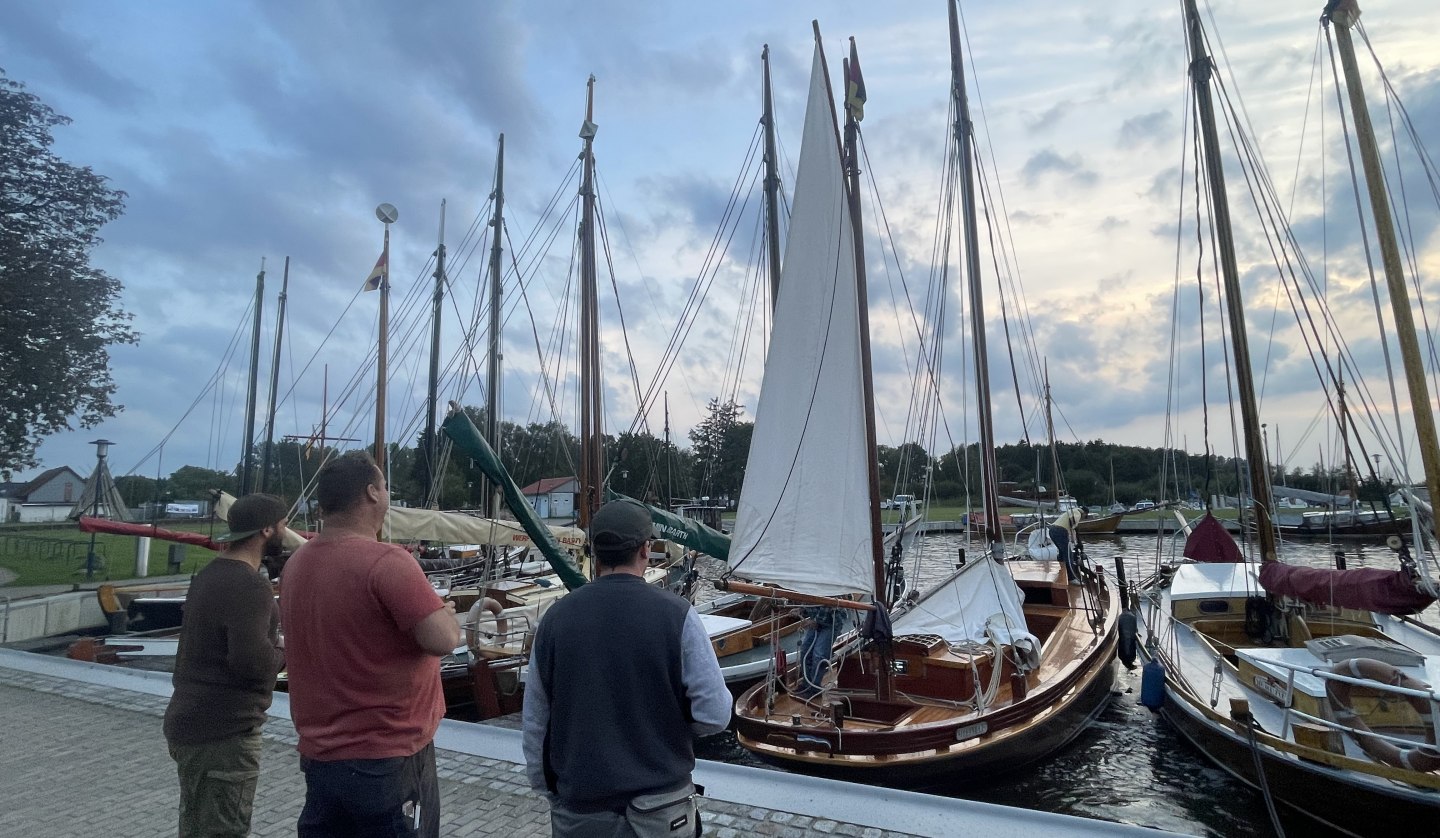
[{"x": 275, "y": 542}]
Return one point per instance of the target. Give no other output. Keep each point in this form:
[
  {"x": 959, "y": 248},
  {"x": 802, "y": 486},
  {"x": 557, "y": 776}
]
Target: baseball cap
[
  {"x": 250, "y": 515},
  {"x": 621, "y": 524}
]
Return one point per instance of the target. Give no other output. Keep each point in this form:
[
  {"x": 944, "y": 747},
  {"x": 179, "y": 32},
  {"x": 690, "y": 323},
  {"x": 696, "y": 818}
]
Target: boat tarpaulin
[
  {"x": 104, "y": 525},
  {"x": 1366, "y": 588},
  {"x": 467, "y": 437},
  {"x": 682, "y": 530},
  {"x": 1209, "y": 542}
]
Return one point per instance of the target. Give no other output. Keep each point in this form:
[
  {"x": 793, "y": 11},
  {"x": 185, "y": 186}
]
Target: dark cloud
[
  {"x": 1146, "y": 129},
  {"x": 39, "y": 33},
  {"x": 1048, "y": 118},
  {"x": 1049, "y": 163}
]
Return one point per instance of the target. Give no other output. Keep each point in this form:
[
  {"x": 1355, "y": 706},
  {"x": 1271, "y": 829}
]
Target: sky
[{"x": 243, "y": 131}]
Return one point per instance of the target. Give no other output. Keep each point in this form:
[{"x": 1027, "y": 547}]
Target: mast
[
  {"x": 964, "y": 140},
  {"x": 381, "y": 352},
  {"x": 772, "y": 181},
  {"x": 669, "y": 457},
  {"x": 1200, "y": 69},
  {"x": 851, "y": 158},
  {"x": 275, "y": 378},
  {"x": 246, "y": 482},
  {"x": 1345, "y": 15},
  {"x": 592, "y": 454},
  {"x": 432, "y": 442},
  {"x": 491, "y": 502},
  {"x": 1050, "y": 432}
]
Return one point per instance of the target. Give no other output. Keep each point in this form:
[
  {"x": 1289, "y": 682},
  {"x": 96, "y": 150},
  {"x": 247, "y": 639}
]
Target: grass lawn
[{"x": 49, "y": 555}]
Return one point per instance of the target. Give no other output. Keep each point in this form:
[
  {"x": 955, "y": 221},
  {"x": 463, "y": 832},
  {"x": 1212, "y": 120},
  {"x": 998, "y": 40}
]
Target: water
[{"x": 1130, "y": 765}]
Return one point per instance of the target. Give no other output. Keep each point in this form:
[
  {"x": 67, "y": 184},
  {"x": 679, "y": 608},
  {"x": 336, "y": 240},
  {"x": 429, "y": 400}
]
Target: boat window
[{"x": 1214, "y": 606}]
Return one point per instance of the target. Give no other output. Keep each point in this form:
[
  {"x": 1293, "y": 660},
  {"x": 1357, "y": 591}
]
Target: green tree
[
  {"x": 196, "y": 483},
  {"x": 58, "y": 314},
  {"x": 721, "y": 447}
]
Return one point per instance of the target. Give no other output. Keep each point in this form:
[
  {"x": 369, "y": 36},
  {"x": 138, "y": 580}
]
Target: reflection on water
[{"x": 1130, "y": 766}]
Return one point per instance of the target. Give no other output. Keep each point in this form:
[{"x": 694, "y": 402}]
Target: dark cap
[
  {"x": 621, "y": 525},
  {"x": 250, "y": 515}
]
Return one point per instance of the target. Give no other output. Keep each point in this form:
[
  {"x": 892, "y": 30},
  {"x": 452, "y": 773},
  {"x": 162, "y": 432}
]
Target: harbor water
[{"x": 1130, "y": 766}]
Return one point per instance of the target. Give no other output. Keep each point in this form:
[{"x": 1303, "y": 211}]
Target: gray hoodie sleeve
[
  {"x": 535, "y": 719},
  {"x": 704, "y": 684}
]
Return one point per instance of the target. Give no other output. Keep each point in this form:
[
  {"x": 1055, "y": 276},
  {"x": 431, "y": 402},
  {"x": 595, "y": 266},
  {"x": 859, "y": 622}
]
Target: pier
[{"x": 85, "y": 754}]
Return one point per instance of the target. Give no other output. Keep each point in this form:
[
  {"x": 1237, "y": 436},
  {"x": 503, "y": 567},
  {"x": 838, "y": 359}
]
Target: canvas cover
[
  {"x": 1366, "y": 588},
  {"x": 1209, "y": 542},
  {"x": 803, "y": 518},
  {"x": 979, "y": 604}
]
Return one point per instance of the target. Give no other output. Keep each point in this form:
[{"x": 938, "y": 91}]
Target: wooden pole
[
  {"x": 432, "y": 395},
  {"x": 275, "y": 378},
  {"x": 592, "y": 454},
  {"x": 246, "y": 472},
  {"x": 1201, "y": 68},
  {"x": 380, "y": 359},
  {"x": 492, "y": 396},
  {"x": 772, "y": 181}
]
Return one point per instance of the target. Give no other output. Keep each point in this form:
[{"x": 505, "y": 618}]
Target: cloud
[
  {"x": 1111, "y": 224},
  {"x": 1048, "y": 118},
  {"x": 1146, "y": 129},
  {"x": 1042, "y": 219},
  {"x": 1048, "y": 163}
]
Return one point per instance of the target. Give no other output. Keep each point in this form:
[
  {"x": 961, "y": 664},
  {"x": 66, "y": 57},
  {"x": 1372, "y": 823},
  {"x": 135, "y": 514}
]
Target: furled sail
[
  {"x": 980, "y": 603},
  {"x": 1366, "y": 588},
  {"x": 803, "y": 520}
]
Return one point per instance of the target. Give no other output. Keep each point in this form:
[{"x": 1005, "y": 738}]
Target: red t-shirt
[{"x": 360, "y": 686}]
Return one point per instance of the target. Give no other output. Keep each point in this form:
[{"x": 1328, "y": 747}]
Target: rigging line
[
  {"x": 1365, "y": 240},
  {"x": 714, "y": 256},
  {"x": 1305, "y": 121},
  {"x": 1407, "y": 231},
  {"x": 641, "y": 418},
  {"x": 751, "y": 290},
  {"x": 215, "y": 378}
]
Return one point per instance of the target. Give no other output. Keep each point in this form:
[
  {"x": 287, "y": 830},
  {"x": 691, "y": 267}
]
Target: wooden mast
[
  {"x": 1200, "y": 69},
  {"x": 964, "y": 141},
  {"x": 275, "y": 378},
  {"x": 491, "y": 502},
  {"x": 1345, "y": 15},
  {"x": 592, "y": 455},
  {"x": 772, "y": 181},
  {"x": 380, "y": 357},
  {"x": 246, "y": 472},
  {"x": 432, "y": 442}
]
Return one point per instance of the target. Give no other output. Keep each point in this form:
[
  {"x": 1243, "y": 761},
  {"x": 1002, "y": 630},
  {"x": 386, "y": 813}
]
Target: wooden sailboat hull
[
  {"x": 919, "y": 744},
  {"x": 1191, "y": 622},
  {"x": 1310, "y": 789}
]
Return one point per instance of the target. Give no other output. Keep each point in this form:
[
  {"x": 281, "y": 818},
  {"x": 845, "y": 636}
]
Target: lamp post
[{"x": 102, "y": 448}]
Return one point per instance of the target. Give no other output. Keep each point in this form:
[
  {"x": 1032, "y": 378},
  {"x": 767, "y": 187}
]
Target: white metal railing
[{"x": 1429, "y": 695}]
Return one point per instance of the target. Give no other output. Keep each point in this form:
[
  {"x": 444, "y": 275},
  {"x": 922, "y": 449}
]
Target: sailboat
[
  {"x": 1313, "y": 686},
  {"x": 1000, "y": 664}
]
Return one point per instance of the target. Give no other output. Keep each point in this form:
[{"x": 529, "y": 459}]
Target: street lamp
[{"x": 102, "y": 448}]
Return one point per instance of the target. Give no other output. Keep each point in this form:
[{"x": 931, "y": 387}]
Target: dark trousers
[{"x": 397, "y": 797}]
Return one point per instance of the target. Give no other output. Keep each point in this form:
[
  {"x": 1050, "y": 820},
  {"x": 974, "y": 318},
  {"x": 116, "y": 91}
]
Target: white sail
[{"x": 803, "y": 520}]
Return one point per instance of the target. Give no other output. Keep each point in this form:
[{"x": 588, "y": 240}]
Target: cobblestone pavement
[{"x": 81, "y": 760}]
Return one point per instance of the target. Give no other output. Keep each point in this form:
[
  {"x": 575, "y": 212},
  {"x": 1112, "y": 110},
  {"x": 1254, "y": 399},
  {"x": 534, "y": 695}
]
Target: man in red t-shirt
[{"x": 364, "y": 634}]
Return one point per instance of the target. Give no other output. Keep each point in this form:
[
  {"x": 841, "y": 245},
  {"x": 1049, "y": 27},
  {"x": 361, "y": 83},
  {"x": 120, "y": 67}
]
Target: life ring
[
  {"x": 1419, "y": 758},
  {"x": 482, "y": 606}
]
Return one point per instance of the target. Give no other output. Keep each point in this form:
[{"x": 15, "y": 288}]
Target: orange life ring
[
  {"x": 1419, "y": 758},
  {"x": 482, "y": 606}
]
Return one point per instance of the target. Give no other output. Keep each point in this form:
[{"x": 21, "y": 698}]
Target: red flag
[
  {"x": 854, "y": 85},
  {"x": 378, "y": 275}
]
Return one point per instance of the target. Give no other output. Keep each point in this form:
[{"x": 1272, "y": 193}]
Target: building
[
  {"x": 553, "y": 497},
  {"x": 47, "y": 498}
]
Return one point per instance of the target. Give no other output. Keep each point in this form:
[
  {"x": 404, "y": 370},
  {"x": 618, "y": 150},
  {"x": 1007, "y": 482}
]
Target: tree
[
  {"x": 722, "y": 446},
  {"x": 195, "y": 483},
  {"x": 58, "y": 314}
]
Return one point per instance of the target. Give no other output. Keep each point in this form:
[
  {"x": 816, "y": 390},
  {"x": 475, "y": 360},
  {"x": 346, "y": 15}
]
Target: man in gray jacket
[{"x": 621, "y": 676}]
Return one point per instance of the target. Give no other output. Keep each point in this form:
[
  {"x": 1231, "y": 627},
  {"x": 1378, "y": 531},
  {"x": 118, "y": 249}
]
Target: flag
[
  {"x": 854, "y": 85},
  {"x": 378, "y": 275}
]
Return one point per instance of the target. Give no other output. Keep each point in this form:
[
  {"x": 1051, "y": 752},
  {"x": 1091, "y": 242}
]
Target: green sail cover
[
  {"x": 680, "y": 530},
  {"x": 467, "y": 437}
]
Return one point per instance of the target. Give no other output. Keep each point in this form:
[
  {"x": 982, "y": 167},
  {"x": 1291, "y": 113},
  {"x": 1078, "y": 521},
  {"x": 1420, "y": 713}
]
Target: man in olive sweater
[{"x": 230, "y": 651}]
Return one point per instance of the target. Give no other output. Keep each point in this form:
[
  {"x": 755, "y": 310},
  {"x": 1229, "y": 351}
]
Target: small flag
[
  {"x": 854, "y": 85},
  {"x": 378, "y": 275}
]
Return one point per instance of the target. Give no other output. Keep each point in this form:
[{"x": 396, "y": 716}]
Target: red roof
[{"x": 546, "y": 485}]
